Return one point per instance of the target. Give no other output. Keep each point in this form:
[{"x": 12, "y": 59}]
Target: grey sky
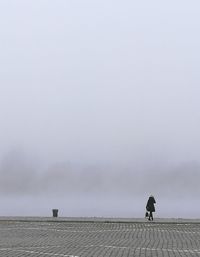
[{"x": 101, "y": 83}]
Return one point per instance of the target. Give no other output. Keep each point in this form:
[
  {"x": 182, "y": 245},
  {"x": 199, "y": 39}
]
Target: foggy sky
[{"x": 100, "y": 98}]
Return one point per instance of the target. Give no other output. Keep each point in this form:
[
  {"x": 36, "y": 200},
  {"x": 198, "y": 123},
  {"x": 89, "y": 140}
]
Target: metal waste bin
[{"x": 55, "y": 213}]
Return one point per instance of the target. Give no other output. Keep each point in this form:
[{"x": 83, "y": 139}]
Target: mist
[{"x": 99, "y": 108}]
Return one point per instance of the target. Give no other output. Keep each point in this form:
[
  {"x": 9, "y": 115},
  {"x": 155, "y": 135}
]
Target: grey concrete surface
[{"x": 98, "y": 237}]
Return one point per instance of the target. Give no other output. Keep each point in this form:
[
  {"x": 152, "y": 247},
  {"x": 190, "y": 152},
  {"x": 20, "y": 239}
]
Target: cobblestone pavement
[{"x": 98, "y": 239}]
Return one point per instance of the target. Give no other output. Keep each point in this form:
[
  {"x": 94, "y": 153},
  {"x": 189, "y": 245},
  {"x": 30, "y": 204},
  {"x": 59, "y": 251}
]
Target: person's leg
[{"x": 151, "y": 216}]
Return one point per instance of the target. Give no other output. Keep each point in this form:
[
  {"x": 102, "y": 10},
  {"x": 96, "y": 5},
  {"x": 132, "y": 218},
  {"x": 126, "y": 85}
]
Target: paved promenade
[{"x": 34, "y": 237}]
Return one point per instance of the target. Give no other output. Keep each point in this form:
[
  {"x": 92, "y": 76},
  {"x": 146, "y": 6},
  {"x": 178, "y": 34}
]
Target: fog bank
[{"x": 99, "y": 107}]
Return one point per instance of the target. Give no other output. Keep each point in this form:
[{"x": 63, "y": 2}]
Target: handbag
[
  {"x": 146, "y": 214},
  {"x": 147, "y": 208}
]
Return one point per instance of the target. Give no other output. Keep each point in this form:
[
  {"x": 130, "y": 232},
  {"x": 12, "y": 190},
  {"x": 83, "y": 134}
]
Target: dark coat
[{"x": 150, "y": 204}]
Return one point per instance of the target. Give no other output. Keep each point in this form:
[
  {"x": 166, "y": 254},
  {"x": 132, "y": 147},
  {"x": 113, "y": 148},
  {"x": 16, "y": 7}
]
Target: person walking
[{"x": 150, "y": 206}]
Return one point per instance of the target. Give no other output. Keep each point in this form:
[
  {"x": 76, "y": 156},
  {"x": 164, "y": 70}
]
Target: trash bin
[{"x": 55, "y": 213}]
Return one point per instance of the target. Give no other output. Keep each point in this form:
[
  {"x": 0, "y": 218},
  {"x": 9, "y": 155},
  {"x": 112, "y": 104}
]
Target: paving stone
[{"x": 98, "y": 239}]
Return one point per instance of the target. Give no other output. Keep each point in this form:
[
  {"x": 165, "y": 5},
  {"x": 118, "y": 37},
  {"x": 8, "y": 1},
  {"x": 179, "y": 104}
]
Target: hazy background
[{"x": 99, "y": 107}]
